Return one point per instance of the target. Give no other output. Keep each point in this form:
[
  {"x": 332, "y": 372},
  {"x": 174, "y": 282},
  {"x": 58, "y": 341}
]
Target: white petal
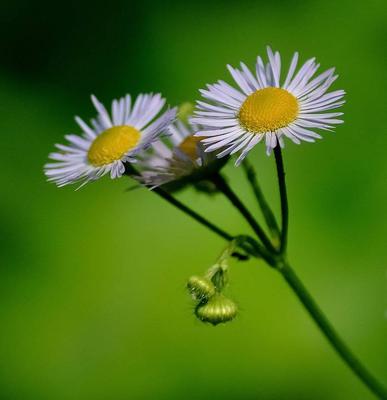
[
  {"x": 292, "y": 68},
  {"x": 102, "y": 113}
]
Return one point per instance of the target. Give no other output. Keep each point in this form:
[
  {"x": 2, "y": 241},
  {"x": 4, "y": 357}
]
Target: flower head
[
  {"x": 111, "y": 140},
  {"x": 177, "y": 160},
  {"x": 267, "y": 107}
]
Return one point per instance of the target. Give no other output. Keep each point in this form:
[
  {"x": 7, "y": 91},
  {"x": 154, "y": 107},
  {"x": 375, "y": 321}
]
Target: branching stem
[
  {"x": 264, "y": 206},
  {"x": 224, "y": 187}
]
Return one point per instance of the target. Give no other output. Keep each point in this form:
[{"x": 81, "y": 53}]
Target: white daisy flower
[
  {"x": 110, "y": 141},
  {"x": 266, "y": 107},
  {"x": 179, "y": 156}
]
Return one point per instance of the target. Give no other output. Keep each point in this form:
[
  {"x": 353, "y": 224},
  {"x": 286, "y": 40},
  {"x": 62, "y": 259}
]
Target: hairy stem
[
  {"x": 271, "y": 256},
  {"x": 330, "y": 333},
  {"x": 307, "y": 300}
]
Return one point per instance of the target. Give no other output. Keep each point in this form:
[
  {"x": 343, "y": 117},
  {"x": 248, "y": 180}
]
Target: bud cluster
[{"x": 212, "y": 305}]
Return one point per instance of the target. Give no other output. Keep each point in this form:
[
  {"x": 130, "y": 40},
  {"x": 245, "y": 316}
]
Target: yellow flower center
[
  {"x": 112, "y": 144},
  {"x": 189, "y": 146},
  {"x": 268, "y": 109}
]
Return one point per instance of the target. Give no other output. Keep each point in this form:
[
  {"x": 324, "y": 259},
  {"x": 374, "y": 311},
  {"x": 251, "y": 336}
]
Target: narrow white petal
[
  {"x": 250, "y": 78},
  {"x": 240, "y": 80},
  {"x": 85, "y": 128},
  {"x": 212, "y": 139},
  {"x": 261, "y": 74},
  {"x": 292, "y": 68},
  {"x": 102, "y": 113},
  {"x": 256, "y": 139},
  {"x": 275, "y": 66},
  {"x": 300, "y": 74}
]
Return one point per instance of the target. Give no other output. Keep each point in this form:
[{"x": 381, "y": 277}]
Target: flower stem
[
  {"x": 307, "y": 300},
  {"x": 212, "y": 227},
  {"x": 284, "y": 198},
  {"x": 247, "y": 243},
  {"x": 337, "y": 343},
  {"x": 265, "y": 208},
  {"x": 223, "y": 187}
]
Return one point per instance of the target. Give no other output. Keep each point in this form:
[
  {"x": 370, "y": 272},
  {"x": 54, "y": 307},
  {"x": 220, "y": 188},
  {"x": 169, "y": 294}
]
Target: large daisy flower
[
  {"x": 110, "y": 140},
  {"x": 267, "y": 107},
  {"x": 179, "y": 158}
]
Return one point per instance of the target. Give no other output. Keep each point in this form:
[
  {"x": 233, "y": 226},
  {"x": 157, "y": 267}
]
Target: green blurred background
[{"x": 92, "y": 297}]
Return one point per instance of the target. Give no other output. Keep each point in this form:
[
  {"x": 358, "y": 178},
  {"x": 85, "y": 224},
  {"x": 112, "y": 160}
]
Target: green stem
[
  {"x": 265, "y": 208},
  {"x": 223, "y": 187},
  {"x": 287, "y": 272},
  {"x": 307, "y": 300},
  {"x": 182, "y": 207},
  {"x": 130, "y": 170},
  {"x": 284, "y": 198},
  {"x": 330, "y": 333},
  {"x": 248, "y": 244}
]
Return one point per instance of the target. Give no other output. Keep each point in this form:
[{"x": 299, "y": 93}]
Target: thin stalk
[
  {"x": 249, "y": 245},
  {"x": 330, "y": 333},
  {"x": 130, "y": 170},
  {"x": 265, "y": 208},
  {"x": 182, "y": 207},
  {"x": 284, "y": 199},
  {"x": 307, "y": 300},
  {"x": 224, "y": 188}
]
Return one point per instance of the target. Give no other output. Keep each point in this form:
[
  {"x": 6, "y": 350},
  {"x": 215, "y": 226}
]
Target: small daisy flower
[
  {"x": 179, "y": 159},
  {"x": 267, "y": 107},
  {"x": 110, "y": 141}
]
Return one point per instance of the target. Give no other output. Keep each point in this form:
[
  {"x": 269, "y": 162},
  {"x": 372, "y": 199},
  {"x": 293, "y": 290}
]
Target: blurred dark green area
[{"x": 92, "y": 298}]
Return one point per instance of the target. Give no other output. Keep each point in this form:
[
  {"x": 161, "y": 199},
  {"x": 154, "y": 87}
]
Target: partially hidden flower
[
  {"x": 110, "y": 141},
  {"x": 267, "y": 107},
  {"x": 177, "y": 160}
]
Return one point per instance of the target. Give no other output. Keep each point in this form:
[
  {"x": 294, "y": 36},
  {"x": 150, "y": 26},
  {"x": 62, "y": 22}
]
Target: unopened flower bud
[
  {"x": 218, "y": 309},
  {"x": 201, "y": 288},
  {"x": 185, "y": 111}
]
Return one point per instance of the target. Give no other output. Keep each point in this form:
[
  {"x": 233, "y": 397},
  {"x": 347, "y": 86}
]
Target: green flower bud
[
  {"x": 218, "y": 309},
  {"x": 185, "y": 111},
  {"x": 200, "y": 288}
]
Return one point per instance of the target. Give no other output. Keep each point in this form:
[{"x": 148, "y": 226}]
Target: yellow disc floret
[
  {"x": 268, "y": 109},
  {"x": 112, "y": 144},
  {"x": 189, "y": 146}
]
